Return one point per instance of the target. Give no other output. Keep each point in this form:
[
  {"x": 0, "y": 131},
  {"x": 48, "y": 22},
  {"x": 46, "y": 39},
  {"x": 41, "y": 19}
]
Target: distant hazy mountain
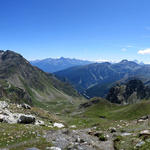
[
  {"x": 53, "y": 65},
  {"x": 96, "y": 79}
]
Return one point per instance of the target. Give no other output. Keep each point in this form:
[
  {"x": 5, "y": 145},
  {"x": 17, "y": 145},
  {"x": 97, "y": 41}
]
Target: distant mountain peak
[
  {"x": 62, "y": 58},
  {"x": 56, "y": 64},
  {"x": 124, "y": 61}
]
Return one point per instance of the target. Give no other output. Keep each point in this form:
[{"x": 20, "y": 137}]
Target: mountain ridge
[
  {"x": 96, "y": 79},
  {"x": 56, "y": 64}
]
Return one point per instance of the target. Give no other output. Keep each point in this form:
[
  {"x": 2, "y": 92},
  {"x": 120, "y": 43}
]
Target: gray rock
[
  {"x": 26, "y": 119},
  {"x": 126, "y": 134},
  {"x": 39, "y": 122},
  {"x": 8, "y": 117},
  {"x": 54, "y": 148},
  {"x": 26, "y": 106},
  {"x": 145, "y": 132},
  {"x": 112, "y": 130},
  {"x": 33, "y": 148},
  {"x": 140, "y": 144},
  {"x": 3, "y": 105},
  {"x": 58, "y": 125},
  {"x": 142, "y": 119}
]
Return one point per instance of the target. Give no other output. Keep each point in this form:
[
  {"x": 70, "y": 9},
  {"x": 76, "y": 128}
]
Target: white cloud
[
  {"x": 101, "y": 60},
  {"x": 124, "y": 49},
  {"x": 130, "y": 46},
  {"x": 105, "y": 60},
  {"x": 144, "y": 51}
]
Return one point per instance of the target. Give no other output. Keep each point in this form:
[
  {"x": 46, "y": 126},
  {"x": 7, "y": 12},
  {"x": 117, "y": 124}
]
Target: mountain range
[
  {"x": 56, "y": 64},
  {"x": 32, "y": 85},
  {"x": 96, "y": 79}
]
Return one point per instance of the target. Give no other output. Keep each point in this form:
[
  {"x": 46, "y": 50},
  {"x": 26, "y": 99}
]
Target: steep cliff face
[{"x": 130, "y": 92}]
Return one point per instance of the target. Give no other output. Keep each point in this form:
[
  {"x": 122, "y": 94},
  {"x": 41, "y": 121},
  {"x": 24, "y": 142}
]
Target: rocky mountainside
[
  {"x": 20, "y": 81},
  {"x": 128, "y": 93},
  {"x": 96, "y": 79},
  {"x": 52, "y": 65}
]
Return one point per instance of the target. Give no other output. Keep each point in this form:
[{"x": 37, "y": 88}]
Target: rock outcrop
[
  {"x": 9, "y": 117},
  {"x": 128, "y": 93}
]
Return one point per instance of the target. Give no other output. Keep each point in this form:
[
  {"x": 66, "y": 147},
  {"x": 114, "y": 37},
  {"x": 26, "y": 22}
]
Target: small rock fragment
[
  {"x": 58, "y": 125},
  {"x": 140, "y": 144},
  {"x": 33, "y": 148},
  {"x": 55, "y": 148},
  {"x": 26, "y": 106}
]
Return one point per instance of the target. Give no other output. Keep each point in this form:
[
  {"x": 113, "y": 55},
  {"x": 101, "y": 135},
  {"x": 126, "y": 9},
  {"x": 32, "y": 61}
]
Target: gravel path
[{"x": 78, "y": 140}]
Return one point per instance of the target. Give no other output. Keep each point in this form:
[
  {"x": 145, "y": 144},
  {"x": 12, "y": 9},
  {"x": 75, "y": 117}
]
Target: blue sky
[{"x": 84, "y": 29}]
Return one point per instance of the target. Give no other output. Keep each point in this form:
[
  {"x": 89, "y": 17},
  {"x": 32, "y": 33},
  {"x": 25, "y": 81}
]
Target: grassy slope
[
  {"x": 91, "y": 116},
  {"x": 116, "y": 112}
]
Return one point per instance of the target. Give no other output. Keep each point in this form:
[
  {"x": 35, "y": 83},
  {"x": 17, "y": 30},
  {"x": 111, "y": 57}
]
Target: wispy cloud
[
  {"x": 124, "y": 49},
  {"x": 144, "y": 51},
  {"x": 102, "y": 60},
  {"x": 130, "y": 46}
]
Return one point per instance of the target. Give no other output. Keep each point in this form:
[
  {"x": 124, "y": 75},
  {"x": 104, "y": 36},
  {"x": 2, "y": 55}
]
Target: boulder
[
  {"x": 73, "y": 126},
  {"x": 3, "y": 104},
  {"x": 143, "y": 119},
  {"x": 112, "y": 130},
  {"x": 33, "y": 148},
  {"x": 26, "y": 106},
  {"x": 26, "y": 119},
  {"x": 140, "y": 144},
  {"x": 145, "y": 133},
  {"x": 54, "y": 148},
  {"x": 58, "y": 125},
  {"x": 8, "y": 117},
  {"x": 126, "y": 134},
  {"x": 1, "y": 118}
]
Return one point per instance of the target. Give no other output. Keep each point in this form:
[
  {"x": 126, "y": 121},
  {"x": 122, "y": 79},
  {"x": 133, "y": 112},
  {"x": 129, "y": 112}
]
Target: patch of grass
[
  {"x": 40, "y": 143},
  {"x": 91, "y": 116},
  {"x": 102, "y": 137},
  {"x": 145, "y": 146},
  {"x": 18, "y": 135},
  {"x": 118, "y": 112}
]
